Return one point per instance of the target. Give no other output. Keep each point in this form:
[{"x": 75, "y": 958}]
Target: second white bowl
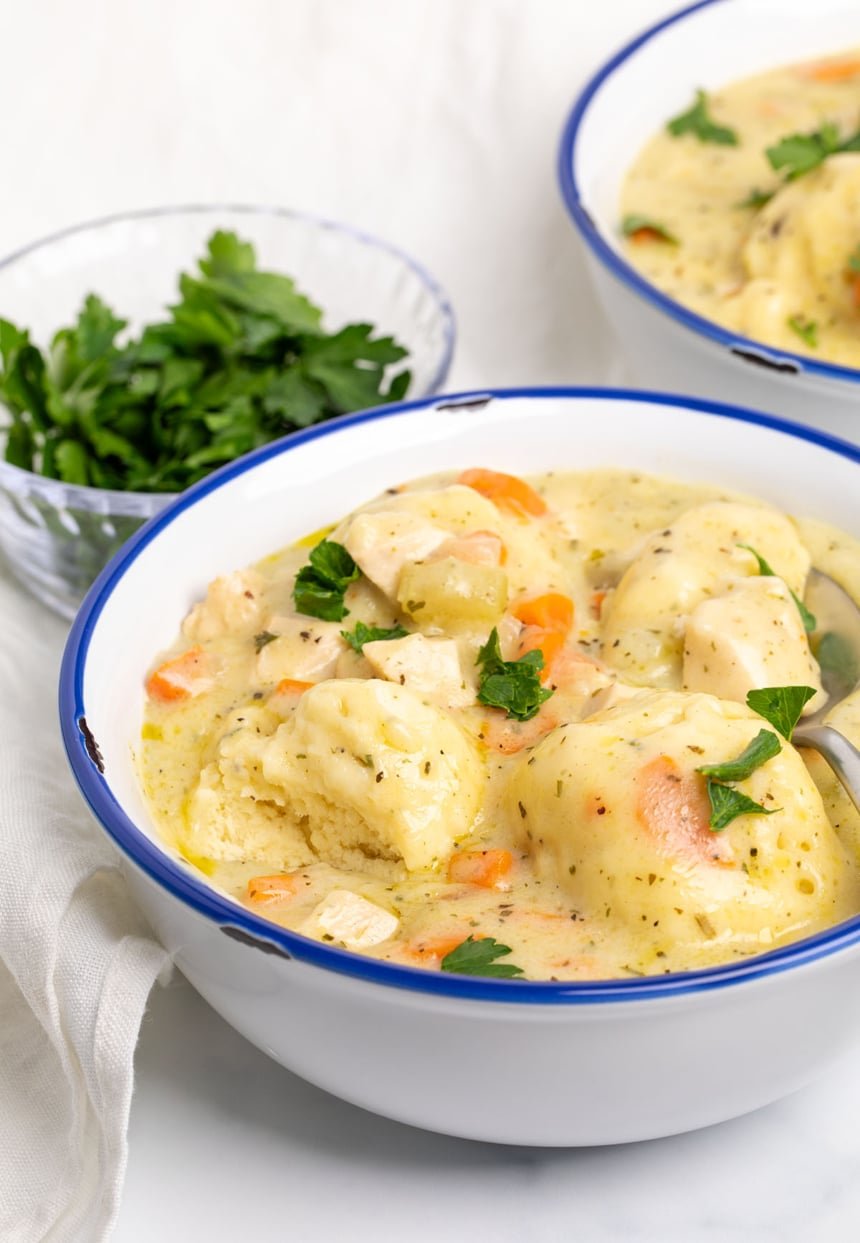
[{"x": 707, "y": 45}]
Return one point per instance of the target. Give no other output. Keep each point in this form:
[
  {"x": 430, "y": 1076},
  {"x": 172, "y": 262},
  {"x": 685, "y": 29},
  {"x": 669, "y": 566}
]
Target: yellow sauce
[
  {"x": 382, "y": 781},
  {"x": 781, "y": 273}
]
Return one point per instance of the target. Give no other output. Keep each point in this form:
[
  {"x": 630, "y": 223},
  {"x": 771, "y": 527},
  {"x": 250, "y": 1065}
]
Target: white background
[{"x": 433, "y": 123}]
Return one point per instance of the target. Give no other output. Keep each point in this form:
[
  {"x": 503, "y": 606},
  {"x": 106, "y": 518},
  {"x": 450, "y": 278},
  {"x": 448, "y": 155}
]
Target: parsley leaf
[
  {"x": 806, "y": 329},
  {"x": 797, "y": 154},
  {"x": 697, "y": 121},
  {"x": 320, "y": 587},
  {"x": 727, "y": 804},
  {"x": 240, "y": 359},
  {"x": 634, "y": 225},
  {"x": 473, "y": 957},
  {"x": 781, "y": 705},
  {"x": 763, "y": 747},
  {"x": 263, "y": 639},
  {"x": 854, "y": 260},
  {"x": 513, "y": 685},
  {"x": 371, "y": 634},
  {"x": 756, "y": 198},
  {"x": 764, "y": 568}
]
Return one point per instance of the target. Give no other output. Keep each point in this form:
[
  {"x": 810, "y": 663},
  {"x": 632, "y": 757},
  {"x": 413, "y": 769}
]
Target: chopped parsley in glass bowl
[{"x": 140, "y": 352}]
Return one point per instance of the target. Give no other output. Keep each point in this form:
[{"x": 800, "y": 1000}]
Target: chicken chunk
[
  {"x": 429, "y": 666},
  {"x": 748, "y": 638},
  {"x": 234, "y": 604},
  {"x": 351, "y": 920},
  {"x": 382, "y": 543},
  {"x": 304, "y": 649}
]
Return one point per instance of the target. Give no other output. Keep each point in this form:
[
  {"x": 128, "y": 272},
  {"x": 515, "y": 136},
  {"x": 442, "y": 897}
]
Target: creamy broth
[
  {"x": 785, "y": 272},
  {"x": 369, "y": 800}
]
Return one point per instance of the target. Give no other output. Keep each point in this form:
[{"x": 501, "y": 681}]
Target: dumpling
[
  {"x": 613, "y": 810},
  {"x": 372, "y": 771},
  {"x": 797, "y": 253}
]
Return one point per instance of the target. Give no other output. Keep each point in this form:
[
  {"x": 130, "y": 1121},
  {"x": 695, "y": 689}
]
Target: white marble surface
[{"x": 434, "y": 123}]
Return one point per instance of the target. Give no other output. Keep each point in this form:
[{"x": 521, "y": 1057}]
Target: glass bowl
[{"x": 57, "y": 536}]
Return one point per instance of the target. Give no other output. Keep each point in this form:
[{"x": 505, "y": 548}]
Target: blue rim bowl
[
  {"x": 611, "y": 259},
  {"x": 187, "y": 889}
]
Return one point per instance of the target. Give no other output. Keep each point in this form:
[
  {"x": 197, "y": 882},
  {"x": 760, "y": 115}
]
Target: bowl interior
[
  {"x": 707, "y": 46},
  {"x": 287, "y": 490}
]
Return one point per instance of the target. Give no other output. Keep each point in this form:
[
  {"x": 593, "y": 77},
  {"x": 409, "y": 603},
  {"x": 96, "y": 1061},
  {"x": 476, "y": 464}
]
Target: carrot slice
[
  {"x": 264, "y": 890},
  {"x": 433, "y": 949},
  {"x": 854, "y": 277},
  {"x": 548, "y": 642},
  {"x": 547, "y": 619},
  {"x": 674, "y": 808},
  {"x": 831, "y": 70},
  {"x": 508, "y": 737},
  {"x": 487, "y": 868},
  {"x": 551, "y": 611},
  {"x": 181, "y": 678},
  {"x": 505, "y": 491},
  {"x": 646, "y": 234},
  {"x": 289, "y": 686}
]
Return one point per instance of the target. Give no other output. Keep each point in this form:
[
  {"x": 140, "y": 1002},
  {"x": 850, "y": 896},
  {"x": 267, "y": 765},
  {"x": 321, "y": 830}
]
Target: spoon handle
[{"x": 842, "y": 756}]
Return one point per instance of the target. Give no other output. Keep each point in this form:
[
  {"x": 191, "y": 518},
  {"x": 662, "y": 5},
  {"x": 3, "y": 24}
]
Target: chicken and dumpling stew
[{"x": 517, "y": 728}]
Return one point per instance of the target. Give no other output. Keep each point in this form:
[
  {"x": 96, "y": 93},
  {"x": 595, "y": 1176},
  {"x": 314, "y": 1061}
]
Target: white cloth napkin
[{"x": 76, "y": 963}]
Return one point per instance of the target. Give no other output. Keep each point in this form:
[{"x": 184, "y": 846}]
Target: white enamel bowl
[
  {"x": 507, "y": 1061},
  {"x": 708, "y": 45}
]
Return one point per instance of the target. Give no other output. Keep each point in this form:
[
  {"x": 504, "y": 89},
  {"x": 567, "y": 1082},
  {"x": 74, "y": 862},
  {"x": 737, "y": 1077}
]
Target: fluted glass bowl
[{"x": 56, "y": 536}]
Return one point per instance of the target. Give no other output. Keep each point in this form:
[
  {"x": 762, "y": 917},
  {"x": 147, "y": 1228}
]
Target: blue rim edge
[
  {"x": 203, "y": 899},
  {"x": 615, "y": 262}
]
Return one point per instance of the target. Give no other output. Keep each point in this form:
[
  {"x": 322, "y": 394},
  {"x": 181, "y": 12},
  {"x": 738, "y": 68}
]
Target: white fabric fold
[{"x": 77, "y": 964}]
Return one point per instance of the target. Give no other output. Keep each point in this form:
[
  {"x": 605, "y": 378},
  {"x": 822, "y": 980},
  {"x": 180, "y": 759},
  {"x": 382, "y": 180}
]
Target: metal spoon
[{"x": 838, "y": 652}]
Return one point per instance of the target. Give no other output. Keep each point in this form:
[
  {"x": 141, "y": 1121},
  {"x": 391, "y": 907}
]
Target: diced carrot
[
  {"x": 547, "y": 620},
  {"x": 548, "y": 642},
  {"x": 831, "y": 70},
  {"x": 597, "y": 603},
  {"x": 674, "y": 808},
  {"x": 478, "y": 548},
  {"x": 431, "y": 950},
  {"x": 646, "y": 234},
  {"x": 505, "y": 491},
  {"x": 264, "y": 890},
  {"x": 183, "y": 677},
  {"x": 855, "y": 289},
  {"x": 487, "y": 868},
  {"x": 289, "y": 686},
  {"x": 507, "y": 736},
  {"x": 551, "y": 611}
]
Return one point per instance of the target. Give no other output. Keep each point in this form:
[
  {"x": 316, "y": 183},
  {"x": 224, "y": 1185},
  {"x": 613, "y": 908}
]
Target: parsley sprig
[
  {"x": 320, "y": 587},
  {"x": 806, "y": 329},
  {"x": 798, "y": 154},
  {"x": 479, "y": 957},
  {"x": 781, "y": 705},
  {"x": 728, "y": 803},
  {"x": 513, "y": 685},
  {"x": 697, "y": 121},
  {"x": 764, "y": 568},
  {"x": 763, "y": 747},
  {"x": 634, "y": 224},
  {"x": 239, "y": 360},
  {"x": 371, "y": 634}
]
